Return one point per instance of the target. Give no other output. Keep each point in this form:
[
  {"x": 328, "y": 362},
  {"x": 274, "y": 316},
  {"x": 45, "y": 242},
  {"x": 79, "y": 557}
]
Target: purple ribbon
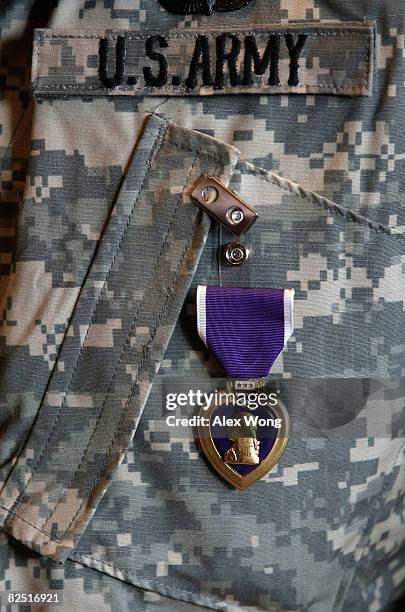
[{"x": 245, "y": 328}]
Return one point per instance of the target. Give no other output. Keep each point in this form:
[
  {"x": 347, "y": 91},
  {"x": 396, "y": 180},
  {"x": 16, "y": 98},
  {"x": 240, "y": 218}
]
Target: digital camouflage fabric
[{"x": 297, "y": 105}]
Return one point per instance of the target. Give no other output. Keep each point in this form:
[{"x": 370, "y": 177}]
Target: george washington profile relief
[{"x": 245, "y": 447}]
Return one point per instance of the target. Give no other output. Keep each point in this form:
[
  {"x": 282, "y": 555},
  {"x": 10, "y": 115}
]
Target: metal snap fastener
[
  {"x": 236, "y": 253},
  {"x": 235, "y": 215},
  {"x": 224, "y": 205}
]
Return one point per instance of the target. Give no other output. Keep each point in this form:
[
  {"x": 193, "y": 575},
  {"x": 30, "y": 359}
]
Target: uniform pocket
[{"x": 183, "y": 530}]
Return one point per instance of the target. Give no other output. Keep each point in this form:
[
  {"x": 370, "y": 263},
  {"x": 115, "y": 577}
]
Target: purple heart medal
[{"x": 244, "y": 430}]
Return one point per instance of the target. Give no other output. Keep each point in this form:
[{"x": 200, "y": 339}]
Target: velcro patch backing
[{"x": 304, "y": 58}]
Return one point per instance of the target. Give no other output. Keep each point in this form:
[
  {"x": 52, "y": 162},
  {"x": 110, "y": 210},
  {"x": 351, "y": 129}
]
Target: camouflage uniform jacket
[{"x": 109, "y": 111}]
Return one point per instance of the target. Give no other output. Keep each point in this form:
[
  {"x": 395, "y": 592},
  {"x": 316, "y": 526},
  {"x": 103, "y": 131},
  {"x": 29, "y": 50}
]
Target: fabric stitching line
[
  {"x": 214, "y": 604},
  {"x": 119, "y": 360},
  {"x": 15, "y": 515},
  {"x": 323, "y": 203},
  {"x": 371, "y": 61},
  {"x": 211, "y": 34},
  {"x": 79, "y": 558},
  {"x": 154, "y": 331},
  {"x": 147, "y": 349},
  {"x": 370, "y": 523},
  {"x": 5, "y": 155},
  {"x": 235, "y": 89},
  {"x": 157, "y": 141},
  {"x": 35, "y": 68}
]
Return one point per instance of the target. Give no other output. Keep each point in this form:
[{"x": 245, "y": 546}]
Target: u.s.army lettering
[{"x": 208, "y": 62}]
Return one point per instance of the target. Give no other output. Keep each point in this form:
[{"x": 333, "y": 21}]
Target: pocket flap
[{"x": 121, "y": 324}]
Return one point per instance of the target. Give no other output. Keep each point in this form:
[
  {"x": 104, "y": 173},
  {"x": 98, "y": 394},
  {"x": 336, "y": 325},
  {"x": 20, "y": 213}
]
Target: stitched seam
[
  {"x": 79, "y": 558},
  {"x": 37, "y": 64},
  {"x": 370, "y": 523},
  {"x": 17, "y": 516},
  {"x": 118, "y": 363},
  {"x": 156, "y": 145},
  {"x": 127, "y": 573},
  {"x": 237, "y": 88},
  {"x": 320, "y": 201},
  {"x": 146, "y": 349},
  {"x": 211, "y": 34},
  {"x": 143, "y": 359},
  {"x": 369, "y": 69}
]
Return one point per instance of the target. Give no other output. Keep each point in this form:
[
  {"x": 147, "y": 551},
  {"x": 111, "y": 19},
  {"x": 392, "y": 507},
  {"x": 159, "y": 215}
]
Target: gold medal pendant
[{"x": 243, "y": 444}]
